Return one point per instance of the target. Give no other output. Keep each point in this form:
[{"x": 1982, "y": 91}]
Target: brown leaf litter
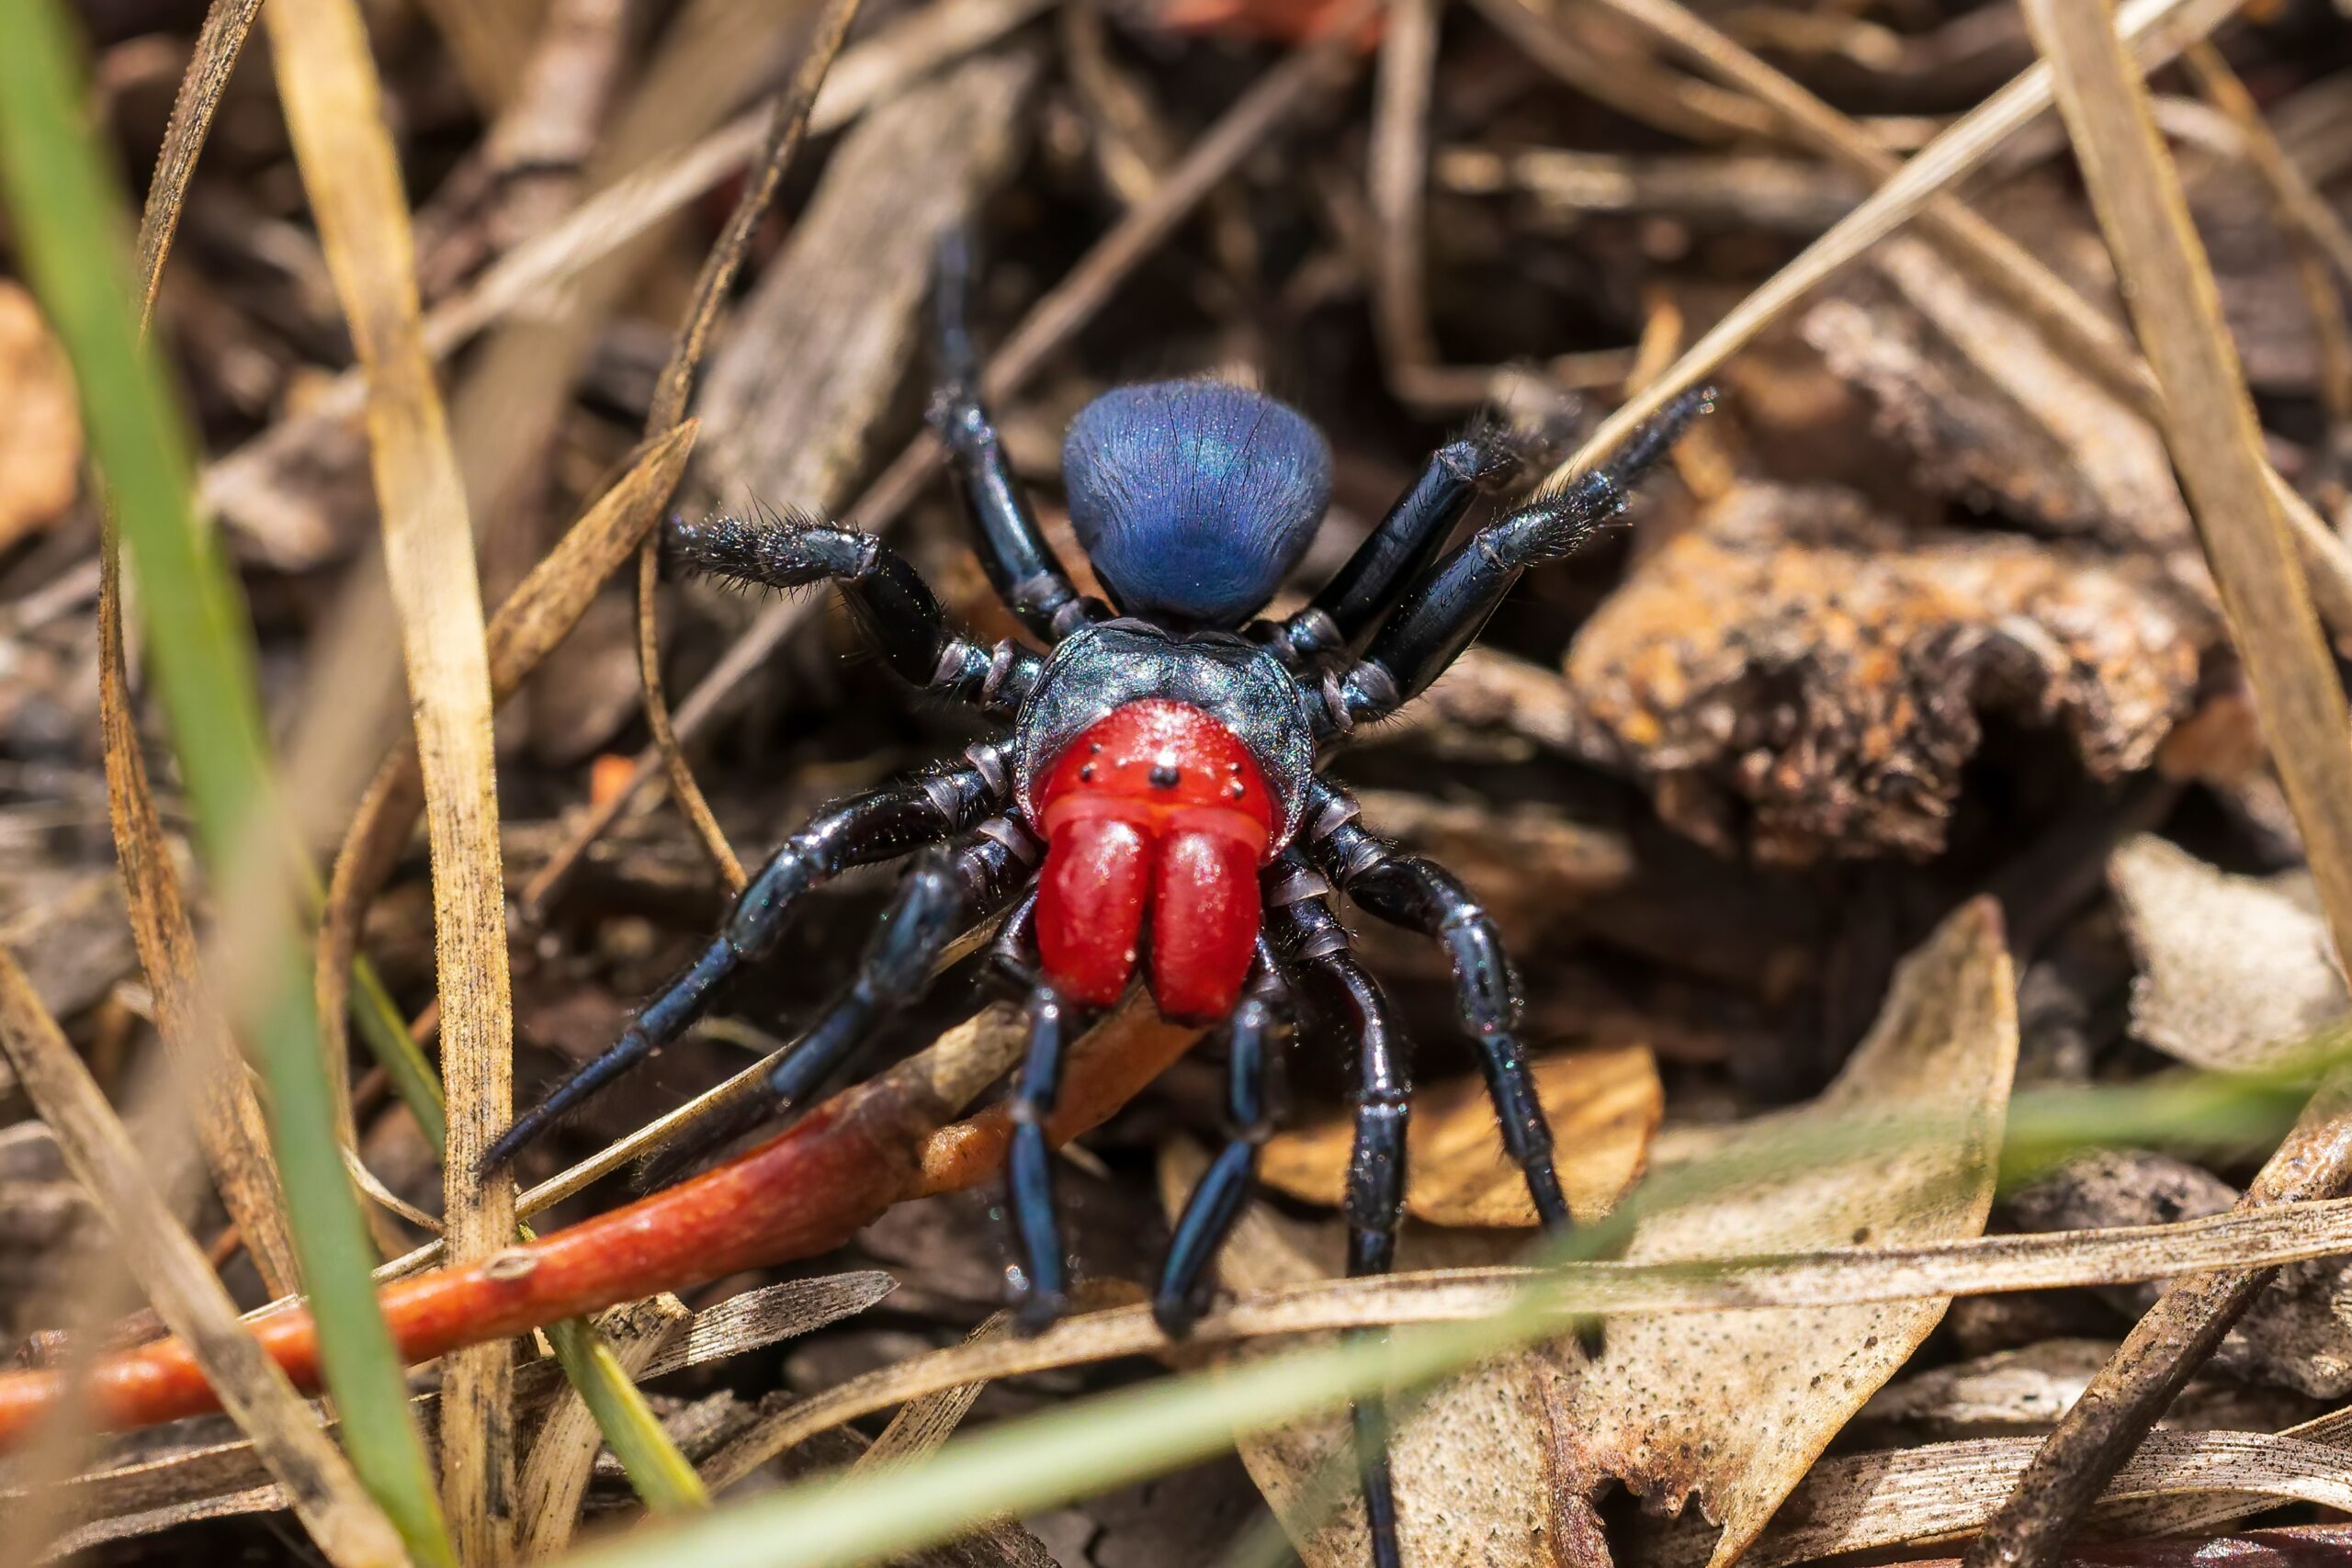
[
  {"x": 1497, "y": 1467},
  {"x": 1602, "y": 1105},
  {"x": 40, "y": 441},
  {"x": 1731, "y": 1410},
  {"x": 1825, "y": 672},
  {"x": 2236, "y": 973}
]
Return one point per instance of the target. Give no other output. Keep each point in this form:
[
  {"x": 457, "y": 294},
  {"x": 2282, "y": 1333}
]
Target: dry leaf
[
  {"x": 40, "y": 441},
  {"x": 1470, "y": 1461},
  {"x": 1602, "y": 1105},
  {"x": 2235, "y": 972},
  {"x": 1733, "y": 1408},
  {"x": 1872, "y": 1500},
  {"x": 1829, "y": 669}
]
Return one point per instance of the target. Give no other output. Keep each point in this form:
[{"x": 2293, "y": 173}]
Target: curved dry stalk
[
  {"x": 788, "y": 125},
  {"x": 229, "y": 1120},
  {"x": 226, "y": 26},
  {"x": 2312, "y": 231},
  {"x": 328, "y": 82},
  {"x": 1831, "y": 1277},
  {"x": 536, "y": 616}
]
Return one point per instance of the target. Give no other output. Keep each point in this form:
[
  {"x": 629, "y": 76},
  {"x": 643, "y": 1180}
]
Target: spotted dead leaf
[
  {"x": 2235, "y": 972},
  {"x": 40, "y": 441},
  {"x": 1603, "y": 1107},
  {"x": 1471, "y": 1459},
  {"x": 1733, "y": 1408},
  {"x": 1824, "y": 672}
]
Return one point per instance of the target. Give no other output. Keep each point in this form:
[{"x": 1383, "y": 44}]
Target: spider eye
[{"x": 1194, "y": 499}]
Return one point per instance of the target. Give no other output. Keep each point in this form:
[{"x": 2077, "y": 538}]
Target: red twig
[{"x": 803, "y": 1192}]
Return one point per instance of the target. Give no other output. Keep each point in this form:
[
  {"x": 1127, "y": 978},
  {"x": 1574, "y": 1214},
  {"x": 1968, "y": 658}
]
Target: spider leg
[
  {"x": 888, "y": 598},
  {"x": 1041, "y": 1294},
  {"x": 1256, "y": 1032},
  {"x": 1447, "y": 605},
  {"x": 1421, "y": 896},
  {"x": 878, "y": 826},
  {"x": 1314, "y": 944},
  {"x": 1402, "y": 546},
  {"x": 946, "y": 891},
  {"x": 1021, "y": 565}
]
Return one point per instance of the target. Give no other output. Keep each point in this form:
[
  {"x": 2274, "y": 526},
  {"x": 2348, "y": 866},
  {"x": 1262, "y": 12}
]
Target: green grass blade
[
  {"x": 663, "y": 1477},
  {"x": 66, "y": 211}
]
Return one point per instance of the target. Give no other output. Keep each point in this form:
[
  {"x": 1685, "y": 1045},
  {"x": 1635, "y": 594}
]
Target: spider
[{"x": 1156, "y": 803}]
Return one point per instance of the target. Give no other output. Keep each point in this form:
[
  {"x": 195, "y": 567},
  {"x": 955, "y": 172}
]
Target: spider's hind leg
[
  {"x": 947, "y": 891},
  {"x": 875, "y": 827},
  {"x": 1254, "y": 1035}
]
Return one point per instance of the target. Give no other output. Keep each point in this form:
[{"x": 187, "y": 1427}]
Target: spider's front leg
[
  {"x": 1345, "y": 609},
  {"x": 1421, "y": 896},
  {"x": 1021, "y": 565},
  {"x": 1315, "y": 946},
  {"x": 1254, "y": 1036},
  {"x": 875, "y": 827},
  {"x": 1447, "y": 605},
  {"x": 889, "y": 600},
  {"x": 947, "y": 891}
]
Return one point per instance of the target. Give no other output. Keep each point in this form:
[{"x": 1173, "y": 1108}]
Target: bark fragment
[{"x": 1804, "y": 663}]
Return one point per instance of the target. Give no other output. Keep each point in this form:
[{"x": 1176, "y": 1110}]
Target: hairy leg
[
  {"x": 879, "y": 826},
  {"x": 946, "y": 891},
  {"x": 891, "y": 602},
  {"x": 1446, "y": 605}
]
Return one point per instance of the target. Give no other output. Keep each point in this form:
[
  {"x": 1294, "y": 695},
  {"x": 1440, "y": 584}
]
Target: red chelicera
[{"x": 801, "y": 1193}]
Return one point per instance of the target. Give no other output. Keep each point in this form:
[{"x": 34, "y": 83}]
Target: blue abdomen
[{"x": 1193, "y": 499}]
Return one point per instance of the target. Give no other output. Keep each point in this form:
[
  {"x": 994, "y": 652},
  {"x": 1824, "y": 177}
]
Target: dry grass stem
[
  {"x": 228, "y": 1113},
  {"x": 1989, "y": 256},
  {"x": 327, "y": 79},
  {"x": 2161, "y": 26},
  {"x": 226, "y": 25},
  {"x": 1826, "y": 1278},
  {"x": 2216, "y": 442}
]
